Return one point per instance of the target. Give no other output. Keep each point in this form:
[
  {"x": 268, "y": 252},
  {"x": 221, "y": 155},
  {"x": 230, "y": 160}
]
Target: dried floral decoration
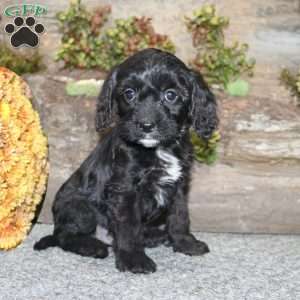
[{"x": 23, "y": 160}]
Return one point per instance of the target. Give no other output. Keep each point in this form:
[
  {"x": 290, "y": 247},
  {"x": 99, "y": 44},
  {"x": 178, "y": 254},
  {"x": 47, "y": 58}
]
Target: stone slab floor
[{"x": 239, "y": 267}]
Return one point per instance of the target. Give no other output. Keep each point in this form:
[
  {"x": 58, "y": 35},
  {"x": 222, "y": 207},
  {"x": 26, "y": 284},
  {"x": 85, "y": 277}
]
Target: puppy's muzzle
[{"x": 146, "y": 126}]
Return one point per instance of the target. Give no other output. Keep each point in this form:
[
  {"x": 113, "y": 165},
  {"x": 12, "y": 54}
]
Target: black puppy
[{"x": 132, "y": 191}]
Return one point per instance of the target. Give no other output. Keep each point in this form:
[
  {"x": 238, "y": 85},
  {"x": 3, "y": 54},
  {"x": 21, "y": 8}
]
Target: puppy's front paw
[
  {"x": 189, "y": 245},
  {"x": 135, "y": 262}
]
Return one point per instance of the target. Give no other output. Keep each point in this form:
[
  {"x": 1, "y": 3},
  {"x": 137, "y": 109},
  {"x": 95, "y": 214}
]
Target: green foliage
[
  {"x": 82, "y": 47},
  {"x": 18, "y": 63},
  {"x": 292, "y": 82},
  {"x": 205, "y": 151},
  {"x": 220, "y": 64},
  {"x": 89, "y": 87},
  {"x": 80, "y": 30},
  {"x": 239, "y": 88},
  {"x": 129, "y": 36}
]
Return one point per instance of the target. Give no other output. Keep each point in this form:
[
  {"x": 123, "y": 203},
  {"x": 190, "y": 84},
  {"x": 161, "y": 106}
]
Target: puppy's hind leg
[
  {"x": 154, "y": 236},
  {"x": 81, "y": 244},
  {"x": 75, "y": 224}
]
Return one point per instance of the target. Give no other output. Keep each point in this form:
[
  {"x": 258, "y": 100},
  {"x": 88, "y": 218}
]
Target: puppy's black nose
[{"x": 147, "y": 126}]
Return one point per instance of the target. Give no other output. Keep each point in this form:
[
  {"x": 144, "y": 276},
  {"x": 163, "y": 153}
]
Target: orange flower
[
  {"x": 14, "y": 228},
  {"x": 23, "y": 160}
]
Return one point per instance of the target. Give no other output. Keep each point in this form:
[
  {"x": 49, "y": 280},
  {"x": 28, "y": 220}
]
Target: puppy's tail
[{"x": 46, "y": 242}]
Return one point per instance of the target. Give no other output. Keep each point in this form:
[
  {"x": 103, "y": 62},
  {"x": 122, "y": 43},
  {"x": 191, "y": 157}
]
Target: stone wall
[{"x": 255, "y": 185}]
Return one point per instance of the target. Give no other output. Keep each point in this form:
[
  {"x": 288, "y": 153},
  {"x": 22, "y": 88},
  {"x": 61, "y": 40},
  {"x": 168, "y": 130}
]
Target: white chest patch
[
  {"x": 173, "y": 172},
  {"x": 171, "y": 165}
]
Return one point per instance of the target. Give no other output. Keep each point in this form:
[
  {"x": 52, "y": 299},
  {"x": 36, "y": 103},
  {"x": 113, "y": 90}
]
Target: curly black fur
[{"x": 131, "y": 192}]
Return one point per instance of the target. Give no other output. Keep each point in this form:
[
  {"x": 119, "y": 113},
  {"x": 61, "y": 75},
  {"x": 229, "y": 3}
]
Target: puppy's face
[
  {"x": 154, "y": 94},
  {"x": 153, "y": 102}
]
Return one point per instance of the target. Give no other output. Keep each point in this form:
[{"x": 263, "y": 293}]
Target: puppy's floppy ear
[
  {"x": 106, "y": 108},
  {"x": 203, "y": 109}
]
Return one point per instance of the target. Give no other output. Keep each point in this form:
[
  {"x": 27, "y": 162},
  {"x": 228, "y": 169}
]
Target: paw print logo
[{"x": 24, "y": 34}]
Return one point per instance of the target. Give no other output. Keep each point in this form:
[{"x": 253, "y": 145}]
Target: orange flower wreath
[{"x": 23, "y": 160}]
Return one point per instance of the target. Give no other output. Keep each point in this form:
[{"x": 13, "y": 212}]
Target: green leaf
[
  {"x": 238, "y": 88},
  {"x": 89, "y": 87}
]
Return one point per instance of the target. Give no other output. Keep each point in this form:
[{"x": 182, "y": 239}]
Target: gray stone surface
[
  {"x": 254, "y": 187},
  {"x": 260, "y": 130},
  {"x": 246, "y": 198},
  {"x": 69, "y": 124},
  {"x": 249, "y": 267}
]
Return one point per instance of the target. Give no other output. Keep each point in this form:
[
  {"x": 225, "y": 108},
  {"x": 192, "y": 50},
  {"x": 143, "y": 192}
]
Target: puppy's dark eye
[
  {"x": 129, "y": 94},
  {"x": 170, "y": 95}
]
